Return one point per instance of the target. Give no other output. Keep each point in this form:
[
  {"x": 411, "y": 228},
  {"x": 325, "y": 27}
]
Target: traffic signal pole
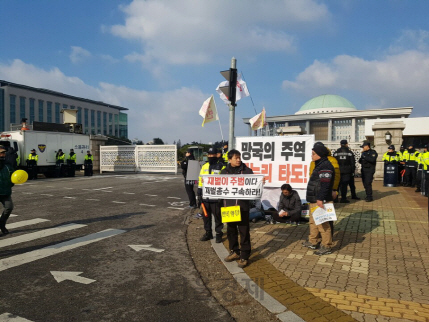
[{"x": 230, "y": 91}]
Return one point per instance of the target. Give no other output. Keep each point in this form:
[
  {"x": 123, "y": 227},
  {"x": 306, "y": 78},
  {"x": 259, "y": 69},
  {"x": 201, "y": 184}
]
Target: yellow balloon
[{"x": 19, "y": 177}]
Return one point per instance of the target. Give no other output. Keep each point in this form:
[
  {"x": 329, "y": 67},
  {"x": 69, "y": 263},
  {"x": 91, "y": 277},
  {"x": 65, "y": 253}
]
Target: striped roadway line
[
  {"x": 150, "y": 195},
  {"x": 46, "y": 194},
  {"x": 129, "y": 193},
  {"x": 26, "y": 223},
  {"x": 174, "y": 197},
  {"x": 34, "y": 255},
  {"x": 175, "y": 208},
  {"x": 93, "y": 199},
  {"x": 12, "y": 215},
  {"x": 39, "y": 234},
  {"x": 118, "y": 201},
  {"x": 69, "y": 197},
  {"x": 144, "y": 204},
  {"x": 8, "y": 317}
]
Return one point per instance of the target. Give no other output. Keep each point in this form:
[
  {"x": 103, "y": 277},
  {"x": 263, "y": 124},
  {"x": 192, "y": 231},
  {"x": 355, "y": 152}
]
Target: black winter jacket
[
  {"x": 368, "y": 160},
  {"x": 292, "y": 204},
  {"x": 346, "y": 160},
  {"x": 242, "y": 169},
  {"x": 321, "y": 181}
]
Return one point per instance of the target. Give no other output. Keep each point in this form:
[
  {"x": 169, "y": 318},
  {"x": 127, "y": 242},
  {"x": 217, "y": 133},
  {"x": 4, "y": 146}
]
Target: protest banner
[
  {"x": 227, "y": 186},
  {"x": 281, "y": 159}
]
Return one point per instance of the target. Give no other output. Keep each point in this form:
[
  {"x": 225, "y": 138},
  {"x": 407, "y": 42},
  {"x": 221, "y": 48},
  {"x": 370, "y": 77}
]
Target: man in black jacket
[
  {"x": 346, "y": 161},
  {"x": 290, "y": 206},
  {"x": 189, "y": 184},
  {"x": 242, "y": 251},
  {"x": 319, "y": 191},
  {"x": 368, "y": 160}
]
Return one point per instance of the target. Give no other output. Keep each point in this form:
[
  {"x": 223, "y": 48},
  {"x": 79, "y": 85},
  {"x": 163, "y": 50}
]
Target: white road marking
[
  {"x": 28, "y": 193},
  {"x": 12, "y": 215},
  {"x": 175, "y": 208},
  {"x": 103, "y": 188},
  {"x": 69, "y": 197},
  {"x": 72, "y": 276},
  {"x": 174, "y": 197},
  {"x": 151, "y": 195},
  {"x": 93, "y": 199},
  {"x": 68, "y": 188},
  {"x": 26, "y": 223},
  {"x": 8, "y": 317},
  {"x": 138, "y": 248},
  {"x": 119, "y": 201},
  {"x": 38, "y": 234},
  {"x": 28, "y": 257},
  {"x": 144, "y": 204},
  {"x": 46, "y": 194},
  {"x": 129, "y": 193}
]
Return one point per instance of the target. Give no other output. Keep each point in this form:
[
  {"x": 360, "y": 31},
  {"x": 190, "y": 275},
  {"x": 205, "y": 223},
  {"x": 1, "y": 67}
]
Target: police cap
[
  {"x": 391, "y": 147},
  {"x": 343, "y": 142},
  {"x": 365, "y": 143},
  {"x": 212, "y": 150}
]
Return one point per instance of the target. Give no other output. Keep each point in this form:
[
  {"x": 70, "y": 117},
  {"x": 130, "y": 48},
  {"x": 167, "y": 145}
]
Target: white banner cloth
[{"x": 228, "y": 186}]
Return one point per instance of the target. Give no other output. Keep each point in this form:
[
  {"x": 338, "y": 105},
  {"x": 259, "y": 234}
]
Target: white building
[{"x": 43, "y": 105}]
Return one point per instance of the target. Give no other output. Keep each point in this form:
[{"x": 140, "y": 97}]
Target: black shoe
[
  {"x": 4, "y": 230},
  {"x": 219, "y": 238},
  {"x": 344, "y": 201},
  {"x": 369, "y": 199},
  {"x": 207, "y": 236},
  {"x": 355, "y": 198},
  {"x": 418, "y": 190}
]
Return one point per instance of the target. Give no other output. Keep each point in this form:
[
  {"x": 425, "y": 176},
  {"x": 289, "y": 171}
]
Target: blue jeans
[{"x": 8, "y": 207}]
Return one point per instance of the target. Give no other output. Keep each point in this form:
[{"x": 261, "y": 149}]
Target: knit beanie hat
[{"x": 320, "y": 150}]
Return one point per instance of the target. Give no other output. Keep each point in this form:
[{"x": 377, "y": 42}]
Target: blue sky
[{"x": 161, "y": 59}]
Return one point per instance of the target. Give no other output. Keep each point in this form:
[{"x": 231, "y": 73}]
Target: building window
[
  {"x": 65, "y": 106},
  {"x": 92, "y": 122},
  {"x": 116, "y": 125},
  {"x": 123, "y": 125},
  {"x": 79, "y": 115},
  {"x": 21, "y": 107},
  {"x": 31, "y": 110},
  {"x": 360, "y": 130},
  {"x": 49, "y": 111},
  {"x": 341, "y": 130},
  {"x": 86, "y": 117},
  {"x": 57, "y": 113},
  {"x": 72, "y": 107},
  {"x": 40, "y": 111},
  {"x": 110, "y": 124},
  {"x": 104, "y": 123},
  {"x": 98, "y": 122},
  {"x": 12, "y": 109}
]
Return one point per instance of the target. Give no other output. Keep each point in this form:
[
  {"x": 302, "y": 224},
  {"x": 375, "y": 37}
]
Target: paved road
[{"x": 86, "y": 225}]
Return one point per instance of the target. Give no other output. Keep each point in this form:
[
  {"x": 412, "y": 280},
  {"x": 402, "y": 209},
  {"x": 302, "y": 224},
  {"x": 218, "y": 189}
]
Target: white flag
[
  {"x": 258, "y": 121},
  {"x": 208, "y": 111},
  {"x": 241, "y": 90}
]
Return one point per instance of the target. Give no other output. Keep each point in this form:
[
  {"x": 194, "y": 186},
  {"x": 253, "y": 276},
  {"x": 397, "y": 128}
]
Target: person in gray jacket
[{"x": 290, "y": 206}]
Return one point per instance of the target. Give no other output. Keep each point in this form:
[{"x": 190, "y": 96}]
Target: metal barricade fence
[{"x": 136, "y": 158}]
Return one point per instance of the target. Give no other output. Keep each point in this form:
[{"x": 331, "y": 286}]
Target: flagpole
[
  {"x": 220, "y": 127},
  {"x": 242, "y": 75}
]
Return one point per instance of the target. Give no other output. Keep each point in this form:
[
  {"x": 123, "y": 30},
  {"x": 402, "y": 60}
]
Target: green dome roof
[{"x": 326, "y": 104}]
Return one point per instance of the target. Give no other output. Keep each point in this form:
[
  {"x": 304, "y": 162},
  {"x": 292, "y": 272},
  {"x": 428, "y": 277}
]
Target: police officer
[
  {"x": 60, "y": 157},
  {"x": 391, "y": 159},
  {"x": 424, "y": 159},
  {"x": 225, "y": 153},
  {"x": 368, "y": 162},
  {"x": 88, "y": 163},
  {"x": 71, "y": 163},
  {"x": 410, "y": 158},
  {"x": 401, "y": 165},
  {"x": 212, "y": 206},
  {"x": 346, "y": 161},
  {"x": 32, "y": 160},
  {"x": 420, "y": 169},
  {"x": 189, "y": 184}
]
